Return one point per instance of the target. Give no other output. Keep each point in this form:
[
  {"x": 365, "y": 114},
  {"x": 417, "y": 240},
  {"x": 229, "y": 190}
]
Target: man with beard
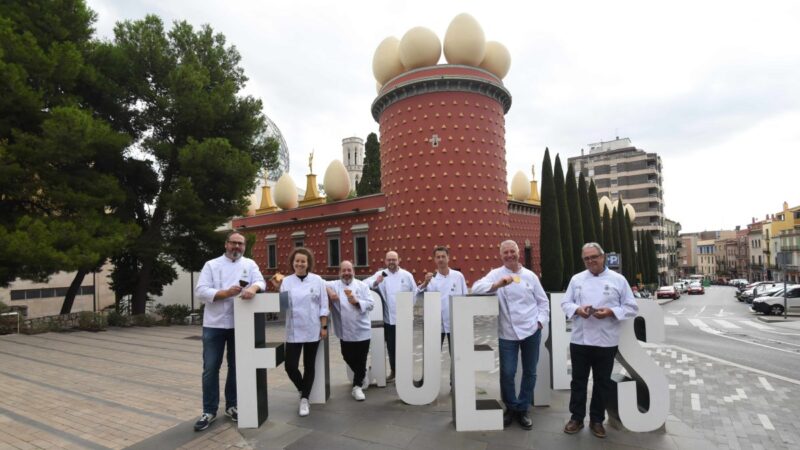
[
  {"x": 221, "y": 280},
  {"x": 351, "y": 303},
  {"x": 524, "y": 311},
  {"x": 389, "y": 282}
]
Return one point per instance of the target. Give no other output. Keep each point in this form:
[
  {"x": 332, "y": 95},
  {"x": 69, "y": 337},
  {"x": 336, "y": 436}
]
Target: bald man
[{"x": 389, "y": 282}]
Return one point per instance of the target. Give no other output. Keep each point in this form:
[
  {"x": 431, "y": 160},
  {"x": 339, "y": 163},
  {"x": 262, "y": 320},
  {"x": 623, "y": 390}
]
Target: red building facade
[{"x": 443, "y": 178}]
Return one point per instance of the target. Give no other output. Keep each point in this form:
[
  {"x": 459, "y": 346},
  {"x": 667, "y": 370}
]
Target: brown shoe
[
  {"x": 597, "y": 429},
  {"x": 573, "y": 426}
]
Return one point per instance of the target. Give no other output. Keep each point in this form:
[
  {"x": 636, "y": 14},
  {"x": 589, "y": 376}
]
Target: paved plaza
[{"x": 140, "y": 388}]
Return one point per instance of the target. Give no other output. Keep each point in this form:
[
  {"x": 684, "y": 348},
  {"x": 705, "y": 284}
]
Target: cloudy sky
[{"x": 711, "y": 86}]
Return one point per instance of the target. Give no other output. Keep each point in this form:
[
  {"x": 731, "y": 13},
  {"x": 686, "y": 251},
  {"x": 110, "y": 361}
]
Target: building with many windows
[
  {"x": 620, "y": 170},
  {"x": 706, "y": 260}
]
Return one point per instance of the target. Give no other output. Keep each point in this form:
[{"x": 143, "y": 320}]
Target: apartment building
[{"x": 620, "y": 170}]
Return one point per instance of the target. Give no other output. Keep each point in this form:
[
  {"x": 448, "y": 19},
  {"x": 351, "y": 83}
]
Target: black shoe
[
  {"x": 204, "y": 421},
  {"x": 233, "y": 413},
  {"x": 508, "y": 417},
  {"x": 524, "y": 420}
]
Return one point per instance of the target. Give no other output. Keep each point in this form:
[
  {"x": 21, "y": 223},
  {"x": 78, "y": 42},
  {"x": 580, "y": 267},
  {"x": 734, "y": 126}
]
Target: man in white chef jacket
[
  {"x": 221, "y": 280},
  {"x": 446, "y": 281},
  {"x": 524, "y": 311},
  {"x": 351, "y": 303},
  {"x": 389, "y": 282},
  {"x": 597, "y": 300}
]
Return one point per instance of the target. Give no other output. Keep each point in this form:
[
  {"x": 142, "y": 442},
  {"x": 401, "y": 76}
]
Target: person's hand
[
  {"x": 233, "y": 291},
  {"x": 276, "y": 280},
  {"x": 379, "y": 279},
  {"x": 428, "y": 277},
  {"x": 583, "y": 311},
  {"x": 602, "y": 313},
  {"x": 352, "y": 299},
  {"x": 323, "y": 333},
  {"x": 505, "y": 281},
  {"x": 332, "y": 295},
  {"x": 250, "y": 292}
]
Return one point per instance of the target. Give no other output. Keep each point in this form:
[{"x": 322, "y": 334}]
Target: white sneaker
[
  {"x": 358, "y": 394},
  {"x": 304, "y": 407}
]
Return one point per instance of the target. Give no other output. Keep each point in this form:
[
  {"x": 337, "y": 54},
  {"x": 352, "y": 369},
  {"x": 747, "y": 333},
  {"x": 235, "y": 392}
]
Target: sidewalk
[{"x": 140, "y": 387}]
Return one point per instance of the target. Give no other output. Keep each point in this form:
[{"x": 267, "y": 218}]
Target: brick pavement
[{"x": 141, "y": 387}]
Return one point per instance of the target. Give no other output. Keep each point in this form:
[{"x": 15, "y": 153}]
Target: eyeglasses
[
  {"x": 236, "y": 243},
  {"x": 591, "y": 258}
]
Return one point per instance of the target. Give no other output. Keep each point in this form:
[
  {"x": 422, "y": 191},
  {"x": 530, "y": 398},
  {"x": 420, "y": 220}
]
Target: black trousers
[
  {"x": 303, "y": 382},
  {"x": 354, "y": 354},
  {"x": 600, "y": 360},
  {"x": 389, "y": 334}
]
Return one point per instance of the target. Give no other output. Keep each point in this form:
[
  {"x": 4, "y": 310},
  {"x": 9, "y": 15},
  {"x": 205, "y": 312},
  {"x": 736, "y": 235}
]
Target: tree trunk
[{"x": 69, "y": 299}]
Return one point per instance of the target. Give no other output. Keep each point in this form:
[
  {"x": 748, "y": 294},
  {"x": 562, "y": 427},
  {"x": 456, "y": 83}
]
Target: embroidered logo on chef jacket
[{"x": 606, "y": 290}]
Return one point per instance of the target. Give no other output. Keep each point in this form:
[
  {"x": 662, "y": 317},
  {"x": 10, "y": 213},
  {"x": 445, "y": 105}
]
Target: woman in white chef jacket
[{"x": 306, "y": 321}]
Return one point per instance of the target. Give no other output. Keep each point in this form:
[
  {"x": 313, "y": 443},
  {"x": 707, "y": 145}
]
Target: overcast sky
[{"x": 711, "y": 86}]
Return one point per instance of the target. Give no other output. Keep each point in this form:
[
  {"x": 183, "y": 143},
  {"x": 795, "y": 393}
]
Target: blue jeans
[
  {"x": 509, "y": 349},
  {"x": 214, "y": 342}
]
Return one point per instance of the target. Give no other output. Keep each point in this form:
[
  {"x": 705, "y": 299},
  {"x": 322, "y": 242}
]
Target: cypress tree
[
  {"x": 630, "y": 255},
  {"x": 576, "y": 214},
  {"x": 639, "y": 264},
  {"x": 645, "y": 258},
  {"x": 652, "y": 258},
  {"x": 608, "y": 235},
  {"x": 550, "y": 236},
  {"x": 564, "y": 221},
  {"x": 594, "y": 207},
  {"x": 615, "y": 230},
  {"x": 589, "y": 233},
  {"x": 370, "y": 182}
]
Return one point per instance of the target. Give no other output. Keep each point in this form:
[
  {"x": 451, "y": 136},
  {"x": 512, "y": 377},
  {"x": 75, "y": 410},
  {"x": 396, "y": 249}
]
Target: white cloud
[{"x": 710, "y": 86}]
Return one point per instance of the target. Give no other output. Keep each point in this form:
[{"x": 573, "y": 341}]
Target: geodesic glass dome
[{"x": 274, "y": 132}]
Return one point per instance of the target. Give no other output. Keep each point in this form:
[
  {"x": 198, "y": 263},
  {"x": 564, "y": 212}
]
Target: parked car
[
  {"x": 749, "y": 294},
  {"x": 747, "y": 291},
  {"x": 680, "y": 286},
  {"x": 696, "y": 288},
  {"x": 668, "y": 292},
  {"x": 773, "y": 304}
]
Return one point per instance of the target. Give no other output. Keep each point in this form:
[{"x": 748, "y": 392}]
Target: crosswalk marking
[
  {"x": 726, "y": 324},
  {"x": 765, "y": 422},
  {"x": 759, "y": 326},
  {"x": 765, "y": 384}
]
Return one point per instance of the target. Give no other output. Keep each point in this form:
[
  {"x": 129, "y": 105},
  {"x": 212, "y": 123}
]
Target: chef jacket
[
  {"x": 452, "y": 284},
  {"x": 522, "y": 305},
  {"x": 608, "y": 289},
  {"x": 308, "y": 301},
  {"x": 350, "y": 322},
  {"x": 394, "y": 282},
  {"x": 220, "y": 274}
]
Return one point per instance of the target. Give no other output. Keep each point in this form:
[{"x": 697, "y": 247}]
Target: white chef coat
[
  {"x": 606, "y": 290},
  {"x": 399, "y": 281},
  {"x": 522, "y": 305},
  {"x": 308, "y": 301},
  {"x": 452, "y": 284},
  {"x": 219, "y": 274},
  {"x": 351, "y": 323}
]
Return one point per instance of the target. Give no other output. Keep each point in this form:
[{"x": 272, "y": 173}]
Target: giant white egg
[
  {"x": 497, "y": 59},
  {"x": 464, "y": 41},
  {"x": 386, "y": 61},
  {"x": 285, "y": 192},
  {"x": 520, "y": 187},
  {"x": 631, "y": 211},
  {"x": 420, "y": 47},
  {"x": 336, "y": 181}
]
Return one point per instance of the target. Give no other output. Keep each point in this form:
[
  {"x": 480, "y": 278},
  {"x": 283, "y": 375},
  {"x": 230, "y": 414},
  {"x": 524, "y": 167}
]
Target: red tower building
[
  {"x": 443, "y": 178},
  {"x": 442, "y": 133}
]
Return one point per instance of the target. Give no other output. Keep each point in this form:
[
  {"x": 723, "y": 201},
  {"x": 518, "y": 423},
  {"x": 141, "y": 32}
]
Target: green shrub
[
  {"x": 115, "y": 319},
  {"x": 90, "y": 321},
  {"x": 144, "y": 320},
  {"x": 173, "y": 313},
  {"x": 35, "y": 327},
  {"x": 4, "y": 308}
]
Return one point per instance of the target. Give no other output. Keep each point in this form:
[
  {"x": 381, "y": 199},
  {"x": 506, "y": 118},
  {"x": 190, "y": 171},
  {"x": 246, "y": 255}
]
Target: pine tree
[
  {"x": 594, "y": 202},
  {"x": 589, "y": 233},
  {"x": 370, "y": 182},
  {"x": 576, "y": 214},
  {"x": 608, "y": 232},
  {"x": 550, "y": 236},
  {"x": 564, "y": 221}
]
